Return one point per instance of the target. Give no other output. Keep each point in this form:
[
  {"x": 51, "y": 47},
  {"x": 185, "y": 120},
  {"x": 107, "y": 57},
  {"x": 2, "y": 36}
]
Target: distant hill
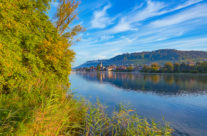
[{"x": 160, "y": 56}]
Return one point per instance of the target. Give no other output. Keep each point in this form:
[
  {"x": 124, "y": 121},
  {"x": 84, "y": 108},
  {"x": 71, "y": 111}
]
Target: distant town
[
  {"x": 168, "y": 67},
  {"x": 119, "y": 68}
]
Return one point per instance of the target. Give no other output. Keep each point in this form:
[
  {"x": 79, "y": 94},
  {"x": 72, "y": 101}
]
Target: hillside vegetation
[
  {"x": 35, "y": 62},
  {"x": 158, "y": 56}
]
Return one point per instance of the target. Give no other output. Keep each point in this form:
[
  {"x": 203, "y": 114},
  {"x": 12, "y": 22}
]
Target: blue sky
[{"x": 124, "y": 26}]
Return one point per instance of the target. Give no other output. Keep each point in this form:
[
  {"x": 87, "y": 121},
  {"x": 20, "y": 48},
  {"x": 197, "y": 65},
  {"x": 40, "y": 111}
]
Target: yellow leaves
[
  {"x": 66, "y": 13},
  {"x": 1, "y": 46},
  {"x": 54, "y": 51},
  {"x": 9, "y": 74},
  {"x": 24, "y": 11},
  {"x": 130, "y": 110},
  {"x": 8, "y": 25},
  {"x": 8, "y": 65}
]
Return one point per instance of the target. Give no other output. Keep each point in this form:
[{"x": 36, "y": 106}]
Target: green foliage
[
  {"x": 65, "y": 15},
  {"x": 145, "y": 68},
  {"x": 168, "y": 67},
  {"x": 122, "y": 122},
  {"x": 99, "y": 67},
  {"x": 30, "y": 46},
  {"x": 35, "y": 61},
  {"x": 176, "y": 67},
  {"x": 155, "y": 67},
  {"x": 130, "y": 68},
  {"x": 200, "y": 67}
]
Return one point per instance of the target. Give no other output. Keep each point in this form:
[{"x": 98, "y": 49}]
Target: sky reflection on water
[{"x": 179, "y": 98}]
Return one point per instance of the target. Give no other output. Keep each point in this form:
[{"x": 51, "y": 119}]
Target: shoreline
[{"x": 138, "y": 72}]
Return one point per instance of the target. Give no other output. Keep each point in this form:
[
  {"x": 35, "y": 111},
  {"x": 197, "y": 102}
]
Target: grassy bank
[{"x": 59, "y": 114}]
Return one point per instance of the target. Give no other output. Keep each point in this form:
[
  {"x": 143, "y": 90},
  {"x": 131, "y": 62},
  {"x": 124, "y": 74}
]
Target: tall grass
[
  {"x": 123, "y": 122},
  {"x": 59, "y": 114}
]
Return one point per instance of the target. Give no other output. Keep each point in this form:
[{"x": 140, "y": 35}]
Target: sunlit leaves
[
  {"x": 66, "y": 14},
  {"x": 31, "y": 42},
  {"x": 35, "y": 61}
]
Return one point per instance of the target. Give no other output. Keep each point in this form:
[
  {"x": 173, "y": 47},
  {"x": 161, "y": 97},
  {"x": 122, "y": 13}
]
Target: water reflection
[
  {"x": 162, "y": 84},
  {"x": 148, "y": 94}
]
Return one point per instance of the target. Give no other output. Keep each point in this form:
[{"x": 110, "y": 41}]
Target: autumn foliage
[{"x": 35, "y": 61}]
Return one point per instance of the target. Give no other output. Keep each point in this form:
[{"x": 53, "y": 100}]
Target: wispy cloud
[
  {"x": 198, "y": 11},
  {"x": 131, "y": 21},
  {"x": 122, "y": 26},
  {"x": 107, "y": 37},
  {"x": 186, "y": 44},
  {"x": 186, "y": 4},
  {"x": 100, "y": 18}
]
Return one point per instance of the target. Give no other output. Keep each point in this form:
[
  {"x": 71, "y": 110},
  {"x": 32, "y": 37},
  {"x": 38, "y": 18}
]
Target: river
[{"x": 181, "y": 99}]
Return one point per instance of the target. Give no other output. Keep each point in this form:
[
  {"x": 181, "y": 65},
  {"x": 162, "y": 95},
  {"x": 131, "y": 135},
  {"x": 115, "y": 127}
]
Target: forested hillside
[{"x": 159, "y": 56}]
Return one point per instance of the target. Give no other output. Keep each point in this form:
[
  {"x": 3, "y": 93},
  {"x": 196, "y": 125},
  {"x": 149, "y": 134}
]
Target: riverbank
[{"x": 58, "y": 114}]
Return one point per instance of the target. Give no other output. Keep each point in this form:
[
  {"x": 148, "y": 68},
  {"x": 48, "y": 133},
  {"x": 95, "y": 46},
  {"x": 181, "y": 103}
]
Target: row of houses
[{"x": 100, "y": 67}]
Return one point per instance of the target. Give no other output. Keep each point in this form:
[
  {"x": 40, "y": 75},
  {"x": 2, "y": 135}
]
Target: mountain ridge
[{"x": 147, "y": 57}]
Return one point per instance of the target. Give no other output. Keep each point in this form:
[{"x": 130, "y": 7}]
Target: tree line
[{"x": 199, "y": 67}]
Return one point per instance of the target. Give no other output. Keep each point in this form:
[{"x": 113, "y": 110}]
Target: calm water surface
[{"x": 180, "y": 98}]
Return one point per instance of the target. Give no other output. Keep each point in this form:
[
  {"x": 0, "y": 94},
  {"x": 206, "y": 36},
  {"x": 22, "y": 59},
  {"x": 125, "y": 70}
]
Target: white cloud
[
  {"x": 127, "y": 22},
  {"x": 100, "y": 18},
  {"x": 198, "y": 11},
  {"x": 187, "y": 44},
  {"x": 186, "y": 4},
  {"x": 122, "y": 26},
  {"x": 152, "y": 9},
  {"x": 107, "y": 37},
  {"x": 131, "y": 21}
]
